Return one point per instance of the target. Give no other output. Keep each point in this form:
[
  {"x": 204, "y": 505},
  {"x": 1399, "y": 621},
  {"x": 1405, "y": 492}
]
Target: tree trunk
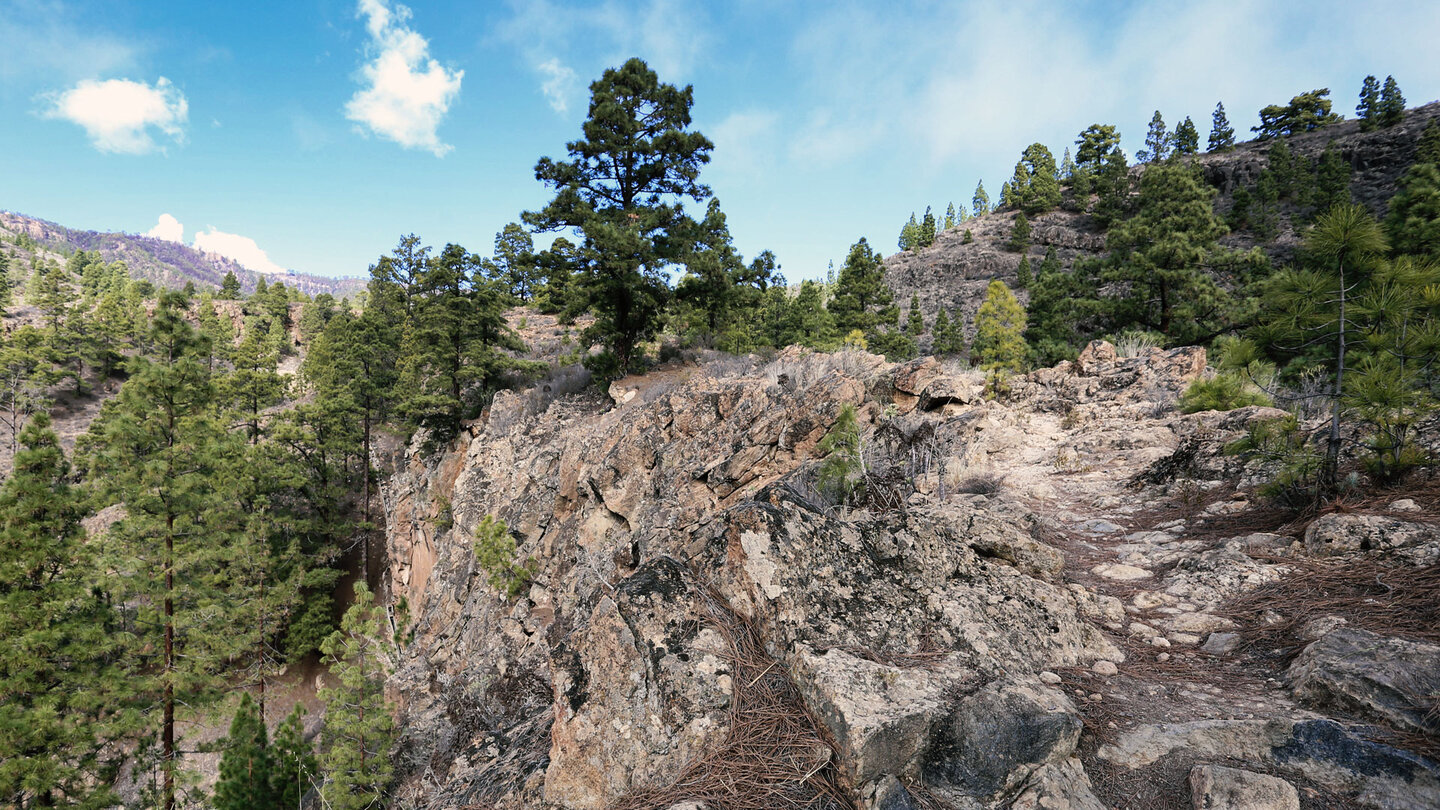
[
  {"x": 1332, "y": 450},
  {"x": 167, "y": 734}
]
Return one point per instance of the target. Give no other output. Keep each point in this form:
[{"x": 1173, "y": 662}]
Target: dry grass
[{"x": 775, "y": 757}]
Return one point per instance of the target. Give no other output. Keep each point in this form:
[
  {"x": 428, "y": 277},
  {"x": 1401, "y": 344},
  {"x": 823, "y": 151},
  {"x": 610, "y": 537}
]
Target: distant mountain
[{"x": 162, "y": 262}]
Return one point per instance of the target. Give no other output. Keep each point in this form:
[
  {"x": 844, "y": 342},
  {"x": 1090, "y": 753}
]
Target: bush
[
  {"x": 1224, "y": 392},
  {"x": 1281, "y": 442},
  {"x": 495, "y": 552},
  {"x": 840, "y": 472},
  {"x": 981, "y": 484}
]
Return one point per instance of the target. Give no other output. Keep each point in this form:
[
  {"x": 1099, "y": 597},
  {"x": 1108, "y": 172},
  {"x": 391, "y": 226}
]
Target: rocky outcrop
[
  {"x": 697, "y": 617},
  {"x": 1387, "y": 679}
]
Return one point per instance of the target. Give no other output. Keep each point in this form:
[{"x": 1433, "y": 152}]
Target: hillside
[
  {"x": 953, "y": 273},
  {"x": 1067, "y": 598},
  {"x": 161, "y": 262}
]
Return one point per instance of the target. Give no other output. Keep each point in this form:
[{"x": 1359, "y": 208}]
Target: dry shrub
[
  {"x": 774, "y": 757},
  {"x": 983, "y": 483}
]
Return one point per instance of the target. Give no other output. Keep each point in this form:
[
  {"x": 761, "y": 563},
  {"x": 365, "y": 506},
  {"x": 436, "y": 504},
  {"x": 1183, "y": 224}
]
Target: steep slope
[
  {"x": 953, "y": 274},
  {"x": 1002, "y": 623},
  {"x": 163, "y": 263}
]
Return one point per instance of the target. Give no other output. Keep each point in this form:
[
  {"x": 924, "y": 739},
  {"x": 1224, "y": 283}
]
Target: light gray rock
[
  {"x": 1058, "y": 786},
  {"x": 1215, "y": 787},
  {"x": 1221, "y": 643},
  {"x": 1387, "y": 679},
  {"x": 1337, "y": 534}
]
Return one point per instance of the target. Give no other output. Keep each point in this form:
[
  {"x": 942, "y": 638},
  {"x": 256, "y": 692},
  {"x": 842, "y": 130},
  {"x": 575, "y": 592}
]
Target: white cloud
[
  {"x": 118, "y": 114},
  {"x": 240, "y": 248},
  {"x": 167, "y": 228},
  {"x": 559, "y": 84},
  {"x": 672, "y": 36},
  {"x": 406, "y": 93}
]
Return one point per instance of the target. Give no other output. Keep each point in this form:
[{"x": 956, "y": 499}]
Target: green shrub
[
  {"x": 495, "y": 552},
  {"x": 1223, "y": 392},
  {"x": 841, "y": 471}
]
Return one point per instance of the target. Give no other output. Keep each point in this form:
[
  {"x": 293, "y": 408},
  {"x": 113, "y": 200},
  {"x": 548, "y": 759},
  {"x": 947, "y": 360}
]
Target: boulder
[
  {"x": 1386, "y": 679},
  {"x": 999, "y": 737},
  {"x": 1337, "y": 534},
  {"x": 1215, "y": 787}
]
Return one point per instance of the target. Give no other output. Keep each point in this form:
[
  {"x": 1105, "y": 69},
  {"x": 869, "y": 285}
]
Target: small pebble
[
  {"x": 1163, "y": 657},
  {"x": 1049, "y": 677},
  {"x": 1106, "y": 668},
  {"x": 1159, "y": 641}
]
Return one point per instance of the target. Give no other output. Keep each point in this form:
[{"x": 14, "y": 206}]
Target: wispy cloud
[
  {"x": 167, "y": 228},
  {"x": 672, "y": 36},
  {"x": 240, "y": 248},
  {"x": 559, "y": 84},
  {"x": 405, "y": 94},
  {"x": 48, "y": 41},
  {"x": 119, "y": 114}
]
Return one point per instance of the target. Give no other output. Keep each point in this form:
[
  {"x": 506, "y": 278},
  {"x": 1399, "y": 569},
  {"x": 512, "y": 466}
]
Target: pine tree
[
  {"x": 1427, "y": 149},
  {"x": 57, "y": 700},
  {"x": 940, "y": 333},
  {"x": 1050, "y": 264},
  {"x": 358, "y": 726},
  {"x": 25, "y": 377},
  {"x": 843, "y": 467},
  {"x": 1368, "y": 108},
  {"x": 229, "y": 287},
  {"x": 1112, "y": 187},
  {"x": 156, "y": 449},
  {"x": 246, "y": 766},
  {"x": 1019, "y": 234},
  {"x": 910, "y": 234},
  {"x": 1022, "y": 273},
  {"x": 1305, "y": 113},
  {"x": 862, "y": 300},
  {"x": 1413, "y": 221},
  {"x": 1157, "y": 141},
  {"x": 999, "y": 330},
  {"x": 1041, "y": 190},
  {"x": 1332, "y": 180},
  {"x": 950, "y": 220},
  {"x": 293, "y": 761},
  {"x": 623, "y": 192},
  {"x": 1093, "y": 145},
  {"x": 1067, "y": 166},
  {"x": 915, "y": 323},
  {"x": 927, "y": 229},
  {"x": 1222, "y": 135},
  {"x": 1158, "y": 259},
  {"x": 980, "y": 203},
  {"x": 1187, "y": 138},
  {"x": 514, "y": 263},
  {"x": 1392, "y": 105}
]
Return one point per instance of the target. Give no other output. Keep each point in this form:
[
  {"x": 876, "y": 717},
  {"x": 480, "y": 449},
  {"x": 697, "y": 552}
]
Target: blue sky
[{"x": 319, "y": 131}]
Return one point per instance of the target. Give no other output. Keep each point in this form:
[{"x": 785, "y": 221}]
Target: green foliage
[
  {"x": 1413, "y": 221},
  {"x": 158, "y": 449},
  {"x": 1022, "y": 273},
  {"x": 1283, "y": 446},
  {"x": 229, "y": 287},
  {"x": 1160, "y": 259},
  {"x": 1019, "y": 240},
  {"x": 1305, "y": 113},
  {"x": 58, "y": 700},
  {"x": 1332, "y": 180},
  {"x": 927, "y": 229},
  {"x": 1427, "y": 149},
  {"x": 1094, "y": 145},
  {"x": 1035, "y": 188},
  {"x": 980, "y": 203},
  {"x": 1112, "y": 189},
  {"x": 293, "y": 765},
  {"x": 969, "y": 238},
  {"x": 495, "y": 554},
  {"x": 1389, "y": 401},
  {"x": 356, "y": 741},
  {"x": 1000, "y": 330},
  {"x": 843, "y": 467},
  {"x": 862, "y": 300},
  {"x": 1158, "y": 141},
  {"x": 246, "y": 766},
  {"x": 622, "y": 192},
  {"x": 915, "y": 323},
  {"x": 910, "y": 234},
  {"x": 1368, "y": 110},
  {"x": 514, "y": 263},
  {"x": 1187, "y": 138},
  {"x": 1391, "y": 109},
  {"x": 1223, "y": 392}
]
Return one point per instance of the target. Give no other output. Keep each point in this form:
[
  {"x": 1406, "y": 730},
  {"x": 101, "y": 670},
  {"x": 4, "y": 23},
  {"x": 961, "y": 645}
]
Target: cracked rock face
[{"x": 680, "y": 560}]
